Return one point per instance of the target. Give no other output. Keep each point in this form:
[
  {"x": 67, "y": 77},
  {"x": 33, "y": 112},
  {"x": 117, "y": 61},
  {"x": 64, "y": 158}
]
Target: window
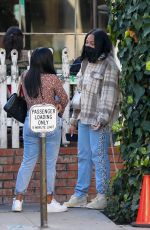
[
  {"x": 50, "y": 23},
  {"x": 54, "y": 16},
  {"x": 8, "y": 14}
]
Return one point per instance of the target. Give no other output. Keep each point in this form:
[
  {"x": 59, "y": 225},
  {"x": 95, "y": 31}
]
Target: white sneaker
[
  {"x": 99, "y": 202},
  {"x": 54, "y": 206},
  {"x": 17, "y": 205},
  {"x": 76, "y": 202}
]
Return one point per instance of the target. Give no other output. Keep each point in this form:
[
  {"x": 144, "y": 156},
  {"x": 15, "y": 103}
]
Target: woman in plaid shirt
[{"x": 98, "y": 83}]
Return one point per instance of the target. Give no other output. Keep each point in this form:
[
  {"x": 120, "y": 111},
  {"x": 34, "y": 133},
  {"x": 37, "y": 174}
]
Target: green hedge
[{"x": 130, "y": 27}]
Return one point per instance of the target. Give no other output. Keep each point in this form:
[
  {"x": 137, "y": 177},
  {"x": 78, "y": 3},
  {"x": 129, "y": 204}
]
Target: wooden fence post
[
  {"x": 3, "y": 99},
  {"x": 14, "y": 86},
  {"x": 66, "y": 115}
]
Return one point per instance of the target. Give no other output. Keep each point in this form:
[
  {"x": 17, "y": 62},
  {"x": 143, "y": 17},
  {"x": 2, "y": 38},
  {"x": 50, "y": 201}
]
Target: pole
[
  {"x": 94, "y": 13},
  {"x": 43, "y": 183}
]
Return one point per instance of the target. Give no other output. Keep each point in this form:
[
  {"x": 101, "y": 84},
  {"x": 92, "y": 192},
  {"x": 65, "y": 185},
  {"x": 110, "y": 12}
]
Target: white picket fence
[{"x": 13, "y": 80}]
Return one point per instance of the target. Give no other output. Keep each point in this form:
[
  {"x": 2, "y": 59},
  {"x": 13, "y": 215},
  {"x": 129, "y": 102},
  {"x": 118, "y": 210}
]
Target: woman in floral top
[{"x": 40, "y": 85}]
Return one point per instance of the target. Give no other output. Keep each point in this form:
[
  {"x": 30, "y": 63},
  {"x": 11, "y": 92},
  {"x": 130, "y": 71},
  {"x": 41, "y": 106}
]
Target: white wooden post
[
  {"x": 66, "y": 115},
  {"x": 29, "y": 57},
  {"x": 14, "y": 86},
  {"x": 3, "y": 99}
]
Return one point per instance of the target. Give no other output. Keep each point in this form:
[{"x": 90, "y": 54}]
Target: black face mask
[{"x": 91, "y": 54}]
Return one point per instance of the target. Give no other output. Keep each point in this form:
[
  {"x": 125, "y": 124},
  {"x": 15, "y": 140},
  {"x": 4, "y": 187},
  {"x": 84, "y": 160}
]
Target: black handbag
[{"x": 16, "y": 107}]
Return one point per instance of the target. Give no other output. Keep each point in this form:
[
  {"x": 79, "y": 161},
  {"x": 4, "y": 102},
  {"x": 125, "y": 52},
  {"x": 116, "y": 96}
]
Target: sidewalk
[{"x": 74, "y": 219}]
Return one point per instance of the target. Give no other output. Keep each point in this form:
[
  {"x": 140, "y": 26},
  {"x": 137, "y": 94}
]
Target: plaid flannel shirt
[{"x": 99, "y": 93}]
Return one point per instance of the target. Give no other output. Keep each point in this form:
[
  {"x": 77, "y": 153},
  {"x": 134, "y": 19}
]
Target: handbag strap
[
  {"x": 83, "y": 66},
  {"x": 20, "y": 82},
  {"x": 113, "y": 153},
  {"x": 19, "y": 85}
]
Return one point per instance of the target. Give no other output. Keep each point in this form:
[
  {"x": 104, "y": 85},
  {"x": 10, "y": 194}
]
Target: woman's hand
[
  {"x": 59, "y": 108},
  {"x": 96, "y": 127}
]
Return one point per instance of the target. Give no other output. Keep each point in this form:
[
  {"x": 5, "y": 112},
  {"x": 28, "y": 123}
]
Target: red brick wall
[{"x": 10, "y": 160}]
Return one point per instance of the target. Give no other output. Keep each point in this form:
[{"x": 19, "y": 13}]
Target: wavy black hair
[
  {"x": 103, "y": 44},
  {"x": 13, "y": 39},
  {"x": 41, "y": 63}
]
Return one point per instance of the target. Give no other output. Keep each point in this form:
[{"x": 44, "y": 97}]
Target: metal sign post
[
  {"x": 43, "y": 182},
  {"x": 43, "y": 119}
]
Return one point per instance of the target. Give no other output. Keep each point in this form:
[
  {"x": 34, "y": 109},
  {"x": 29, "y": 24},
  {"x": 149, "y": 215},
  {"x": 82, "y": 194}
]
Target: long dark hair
[
  {"x": 13, "y": 39},
  {"x": 103, "y": 44},
  {"x": 41, "y": 63}
]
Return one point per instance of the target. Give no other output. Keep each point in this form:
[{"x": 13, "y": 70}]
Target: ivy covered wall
[{"x": 130, "y": 28}]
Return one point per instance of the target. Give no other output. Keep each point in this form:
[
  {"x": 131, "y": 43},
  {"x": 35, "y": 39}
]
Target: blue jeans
[
  {"x": 92, "y": 150},
  {"x": 32, "y": 148}
]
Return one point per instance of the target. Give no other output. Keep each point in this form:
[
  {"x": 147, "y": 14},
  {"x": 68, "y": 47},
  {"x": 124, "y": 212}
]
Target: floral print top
[{"x": 52, "y": 92}]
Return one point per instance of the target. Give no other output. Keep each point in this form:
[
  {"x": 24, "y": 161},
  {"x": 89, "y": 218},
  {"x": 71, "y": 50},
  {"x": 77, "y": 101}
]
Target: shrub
[{"x": 130, "y": 28}]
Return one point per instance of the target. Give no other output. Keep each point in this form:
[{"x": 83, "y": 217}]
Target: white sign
[{"x": 43, "y": 118}]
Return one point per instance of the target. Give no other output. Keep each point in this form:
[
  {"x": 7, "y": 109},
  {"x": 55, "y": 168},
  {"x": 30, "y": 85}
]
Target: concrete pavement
[{"x": 74, "y": 219}]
